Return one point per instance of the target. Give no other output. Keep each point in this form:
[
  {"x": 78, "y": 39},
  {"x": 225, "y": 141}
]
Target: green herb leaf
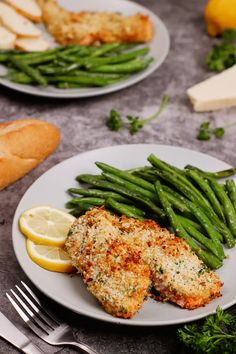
[
  {"x": 135, "y": 124},
  {"x": 223, "y": 55},
  {"x": 204, "y": 132},
  {"x": 216, "y": 335},
  {"x": 229, "y": 35},
  {"x": 114, "y": 121},
  {"x": 219, "y": 132}
]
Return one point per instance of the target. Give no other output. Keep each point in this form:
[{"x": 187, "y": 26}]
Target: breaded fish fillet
[
  {"x": 89, "y": 28},
  {"x": 120, "y": 257},
  {"x": 111, "y": 267}
]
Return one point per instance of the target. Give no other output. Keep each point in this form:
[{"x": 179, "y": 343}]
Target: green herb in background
[
  {"x": 217, "y": 334},
  {"x": 223, "y": 55},
  {"x": 135, "y": 123},
  {"x": 205, "y": 132}
]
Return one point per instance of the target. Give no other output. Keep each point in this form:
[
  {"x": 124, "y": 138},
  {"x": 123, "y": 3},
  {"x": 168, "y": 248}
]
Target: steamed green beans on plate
[{"x": 75, "y": 66}]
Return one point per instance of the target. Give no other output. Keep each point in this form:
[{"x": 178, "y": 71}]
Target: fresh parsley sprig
[
  {"x": 205, "y": 132},
  {"x": 133, "y": 123},
  {"x": 223, "y": 55},
  {"x": 217, "y": 334}
]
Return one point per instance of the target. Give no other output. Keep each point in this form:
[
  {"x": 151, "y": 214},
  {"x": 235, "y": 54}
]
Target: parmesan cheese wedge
[
  {"x": 16, "y": 23},
  {"x": 214, "y": 93},
  {"x": 27, "y": 8},
  {"x": 7, "y": 39},
  {"x": 32, "y": 44}
]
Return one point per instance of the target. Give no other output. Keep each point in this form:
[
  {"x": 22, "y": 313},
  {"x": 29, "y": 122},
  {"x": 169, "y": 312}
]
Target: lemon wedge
[
  {"x": 46, "y": 225},
  {"x": 49, "y": 257}
]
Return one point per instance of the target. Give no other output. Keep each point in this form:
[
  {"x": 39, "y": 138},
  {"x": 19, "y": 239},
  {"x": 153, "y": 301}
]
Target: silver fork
[{"x": 42, "y": 323}]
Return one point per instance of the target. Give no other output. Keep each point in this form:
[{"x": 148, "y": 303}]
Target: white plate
[
  {"x": 51, "y": 188},
  {"x": 159, "y": 48}
]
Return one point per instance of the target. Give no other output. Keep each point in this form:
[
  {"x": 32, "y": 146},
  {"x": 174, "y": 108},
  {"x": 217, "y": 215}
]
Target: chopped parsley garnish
[
  {"x": 216, "y": 334},
  {"x": 133, "y": 123},
  {"x": 205, "y": 132}
]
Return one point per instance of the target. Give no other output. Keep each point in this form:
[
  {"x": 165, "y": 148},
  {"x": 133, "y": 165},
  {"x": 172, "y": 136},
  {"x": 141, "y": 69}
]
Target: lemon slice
[
  {"x": 46, "y": 225},
  {"x": 49, "y": 257}
]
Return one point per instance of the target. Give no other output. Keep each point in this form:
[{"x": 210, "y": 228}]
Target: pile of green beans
[
  {"x": 190, "y": 201},
  {"x": 75, "y": 66}
]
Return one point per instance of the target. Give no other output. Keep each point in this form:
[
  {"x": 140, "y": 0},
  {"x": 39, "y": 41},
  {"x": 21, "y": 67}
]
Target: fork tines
[{"x": 31, "y": 311}]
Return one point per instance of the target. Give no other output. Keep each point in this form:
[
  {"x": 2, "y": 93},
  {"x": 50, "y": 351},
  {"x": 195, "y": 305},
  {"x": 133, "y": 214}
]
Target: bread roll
[
  {"x": 24, "y": 143},
  {"x": 27, "y": 8}
]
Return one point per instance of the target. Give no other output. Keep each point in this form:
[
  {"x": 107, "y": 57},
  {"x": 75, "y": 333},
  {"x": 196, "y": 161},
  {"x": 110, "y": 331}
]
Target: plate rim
[
  {"x": 74, "y": 93},
  {"x": 111, "y": 319}
]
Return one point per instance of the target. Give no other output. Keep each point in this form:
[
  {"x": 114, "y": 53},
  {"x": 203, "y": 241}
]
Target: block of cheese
[
  {"x": 7, "y": 39},
  {"x": 217, "y": 92},
  {"x": 17, "y": 23},
  {"x": 32, "y": 44},
  {"x": 28, "y": 8}
]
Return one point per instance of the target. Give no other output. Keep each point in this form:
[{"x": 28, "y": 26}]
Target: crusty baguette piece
[
  {"x": 7, "y": 38},
  {"x": 27, "y": 8},
  {"x": 24, "y": 143},
  {"x": 17, "y": 23},
  {"x": 32, "y": 44}
]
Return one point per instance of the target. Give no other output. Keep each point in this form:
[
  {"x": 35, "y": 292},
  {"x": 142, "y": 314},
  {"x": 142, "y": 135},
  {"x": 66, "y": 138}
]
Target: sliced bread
[
  {"x": 16, "y": 23},
  {"x": 27, "y": 8},
  {"x": 7, "y": 38},
  {"x": 32, "y": 44}
]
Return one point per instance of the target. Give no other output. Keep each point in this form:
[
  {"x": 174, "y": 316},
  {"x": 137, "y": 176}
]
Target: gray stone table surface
[{"x": 82, "y": 124}]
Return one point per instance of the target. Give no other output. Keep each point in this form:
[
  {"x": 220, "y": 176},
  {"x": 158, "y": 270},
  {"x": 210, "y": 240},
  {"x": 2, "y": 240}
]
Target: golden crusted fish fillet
[
  {"x": 89, "y": 28},
  {"x": 119, "y": 257},
  {"x": 110, "y": 265}
]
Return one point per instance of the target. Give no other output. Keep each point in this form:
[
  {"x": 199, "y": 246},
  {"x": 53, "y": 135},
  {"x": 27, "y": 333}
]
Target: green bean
[
  {"x": 124, "y": 191},
  {"x": 31, "y": 72},
  {"x": 58, "y": 70},
  {"x": 98, "y": 193},
  {"x": 20, "y": 78},
  {"x": 134, "y": 187},
  {"x": 231, "y": 190},
  {"x": 185, "y": 189},
  {"x": 4, "y": 57},
  {"x": 161, "y": 165},
  {"x": 192, "y": 223},
  {"x": 106, "y": 48},
  {"x": 83, "y": 177},
  {"x": 147, "y": 175},
  {"x": 89, "y": 200},
  {"x": 81, "y": 209},
  {"x": 204, "y": 185},
  {"x": 207, "y": 225},
  {"x": 132, "y": 66},
  {"x": 125, "y": 175},
  {"x": 123, "y": 209},
  {"x": 93, "y": 62},
  {"x": 67, "y": 85},
  {"x": 84, "y": 80},
  {"x": 139, "y": 182},
  {"x": 209, "y": 244},
  {"x": 230, "y": 213},
  {"x": 39, "y": 59},
  {"x": 208, "y": 258},
  {"x": 179, "y": 176},
  {"x": 218, "y": 175}
]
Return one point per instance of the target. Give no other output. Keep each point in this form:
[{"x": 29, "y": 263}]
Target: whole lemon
[{"x": 220, "y": 15}]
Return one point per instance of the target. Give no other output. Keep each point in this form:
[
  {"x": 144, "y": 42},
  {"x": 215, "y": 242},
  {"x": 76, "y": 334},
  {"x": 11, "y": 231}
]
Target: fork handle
[
  {"x": 30, "y": 348},
  {"x": 83, "y": 347}
]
